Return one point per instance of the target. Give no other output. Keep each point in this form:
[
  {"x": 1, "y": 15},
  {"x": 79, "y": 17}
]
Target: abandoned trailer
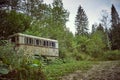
[{"x": 33, "y": 45}]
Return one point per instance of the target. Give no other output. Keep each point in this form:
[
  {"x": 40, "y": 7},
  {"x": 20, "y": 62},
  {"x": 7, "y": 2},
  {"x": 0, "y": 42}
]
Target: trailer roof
[{"x": 30, "y": 36}]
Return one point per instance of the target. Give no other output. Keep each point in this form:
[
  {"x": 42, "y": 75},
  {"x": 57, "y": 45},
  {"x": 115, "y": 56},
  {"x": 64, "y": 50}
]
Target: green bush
[
  {"x": 111, "y": 55},
  {"x": 82, "y": 56},
  {"x": 19, "y": 66}
]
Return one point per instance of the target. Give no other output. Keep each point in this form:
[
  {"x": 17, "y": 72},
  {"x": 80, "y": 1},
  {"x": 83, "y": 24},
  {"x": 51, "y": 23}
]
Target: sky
[{"x": 93, "y": 9}]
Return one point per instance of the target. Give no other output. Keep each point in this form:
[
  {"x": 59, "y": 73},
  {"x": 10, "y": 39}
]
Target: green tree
[
  {"x": 81, "y": 22},
  {"x": 105, "y": 22},
  {"x": 114, "y": 31},
  {"x": 96, "y": 44},
  {"x": 60, "y": 15},
  {"x": 13, "y": 22},
  {"x": 33, "y": 8},
  {"x": 82, "y": 42},
  {"x": 9, "y": 5},
  {"x": 100, "y": 28},
  {"x": 58, "y": 28},
  {"x": 115, "y": 17},
  {"x": 94, "y": 26},
  {"x": 42, "y": 22}
]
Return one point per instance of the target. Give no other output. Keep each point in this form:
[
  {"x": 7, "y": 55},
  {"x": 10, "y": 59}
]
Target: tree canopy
[
  {"x": 115, "y": 27},
  {"x": 81, "y": 22}
]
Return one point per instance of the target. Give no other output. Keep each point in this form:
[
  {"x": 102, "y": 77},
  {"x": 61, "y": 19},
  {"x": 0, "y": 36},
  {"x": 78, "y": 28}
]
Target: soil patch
[{"x": 107, "y": 70}]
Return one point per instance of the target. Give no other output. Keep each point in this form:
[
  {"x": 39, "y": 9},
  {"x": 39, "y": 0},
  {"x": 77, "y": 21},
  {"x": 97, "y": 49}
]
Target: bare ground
[{"x": 107, "y": 70}]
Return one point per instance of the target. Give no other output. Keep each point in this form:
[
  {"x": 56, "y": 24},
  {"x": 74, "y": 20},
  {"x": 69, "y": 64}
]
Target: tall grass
[
  {"x": 54, "y": 71},
  {"x": 111, "y": 55}
]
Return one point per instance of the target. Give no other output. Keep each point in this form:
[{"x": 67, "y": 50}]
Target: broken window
[
  {"x": 12, "y": 39},
  {"x": 37, "y": 42},
  {"x": 53, "y": 44}
]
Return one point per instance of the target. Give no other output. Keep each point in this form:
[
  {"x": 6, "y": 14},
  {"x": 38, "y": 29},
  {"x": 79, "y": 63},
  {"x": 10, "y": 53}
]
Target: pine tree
[
  {"x": 115, "y": 17},
  {"x": 59, "y": 14},
  {"x": 81, "y": 22},
  {"x": 94, "y": 26},
  {"x": 100, "y": 28},
  {"x": 115, "y": 29},
  {"x": 9, "y": 5}
]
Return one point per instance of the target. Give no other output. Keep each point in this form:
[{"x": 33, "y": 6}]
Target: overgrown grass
[
  {"x": 111, "y": 55},
  {"x": 54, "y": 71}
]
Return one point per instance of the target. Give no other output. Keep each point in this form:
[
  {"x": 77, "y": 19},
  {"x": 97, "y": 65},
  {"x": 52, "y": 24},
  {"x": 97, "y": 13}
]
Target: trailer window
[
  {"x": 40, "y": 42},
  {"x": 44, "y": 43},
  {"x": 47, "y": 43},
  {"x": 53, "y": 44},
  {"x": 30, "y": 41},
  {"x": 37, "y": 42},
  {"x": 50, "y": 44},
  {"x": 12, "y": 39},
  {"x": 26, "y": 40},
  {"x": 17, "y": 39}
]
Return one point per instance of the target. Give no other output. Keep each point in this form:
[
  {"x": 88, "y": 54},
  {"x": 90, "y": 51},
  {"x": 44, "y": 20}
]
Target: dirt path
[{"x": 108, "y": 70}]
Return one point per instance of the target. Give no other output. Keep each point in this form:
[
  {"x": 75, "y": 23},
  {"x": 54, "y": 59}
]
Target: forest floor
[{"x": 106, "y": 70}]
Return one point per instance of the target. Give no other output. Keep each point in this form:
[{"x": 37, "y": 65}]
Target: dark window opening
[
  {"x": 44, "y": 43},
  {"x": 17, "y": 39},
  {"x": 53, "y": 44},
  {"x": 13, "y": 39},
  {"x": 30, "y": 41},
  {"x": 47, "y": 43},
  {"x": 37, "y": 42},
  {"x": 27, "y": 40}
]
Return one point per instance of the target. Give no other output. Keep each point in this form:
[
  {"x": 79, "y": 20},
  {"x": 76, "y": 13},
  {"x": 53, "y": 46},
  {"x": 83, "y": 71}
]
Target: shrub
[
  {"x": 19, "y": 66},
  {"x": 82, "y": 56},
  {"x": 111, "y": 55},
  {"x": 24, "y": 74}
]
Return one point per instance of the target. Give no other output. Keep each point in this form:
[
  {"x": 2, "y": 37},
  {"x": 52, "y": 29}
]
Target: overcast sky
[{"x": 92, "y": 8}]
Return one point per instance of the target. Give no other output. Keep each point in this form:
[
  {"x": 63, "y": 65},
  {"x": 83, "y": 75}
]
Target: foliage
[
  {"x": 81, "y": 35},
  {"x": 82, "y": 42},
  {"x": 115, "y": 16},
  {"x": 9, "y": 5},
  {"x": 96, "y": 45},
  {"x": 59, "y": 14},
  {"x": 111, "y": 55},
  {"x": 33, "y": 8},
  {"x": 81, "y": 22},
  {"x": 13, "y": 22},
  {"x": 82, "y": 56},
  {"x": 105, "y": 21},
  {"x": 115, "y": 37},
  {"x": 115, "y": 29},
  {"x": 92, "y": 46},
  {"x": 54, "y": 71},
  {"x": 24, "y": 74},
  {"x": 9, "y": 56},
  {"x": 100, "y": 28},
  {"x": 24, "y": 67}
]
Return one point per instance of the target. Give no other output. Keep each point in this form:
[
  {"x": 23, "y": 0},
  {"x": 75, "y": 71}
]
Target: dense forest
[{"x": 34, "y": 17}]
